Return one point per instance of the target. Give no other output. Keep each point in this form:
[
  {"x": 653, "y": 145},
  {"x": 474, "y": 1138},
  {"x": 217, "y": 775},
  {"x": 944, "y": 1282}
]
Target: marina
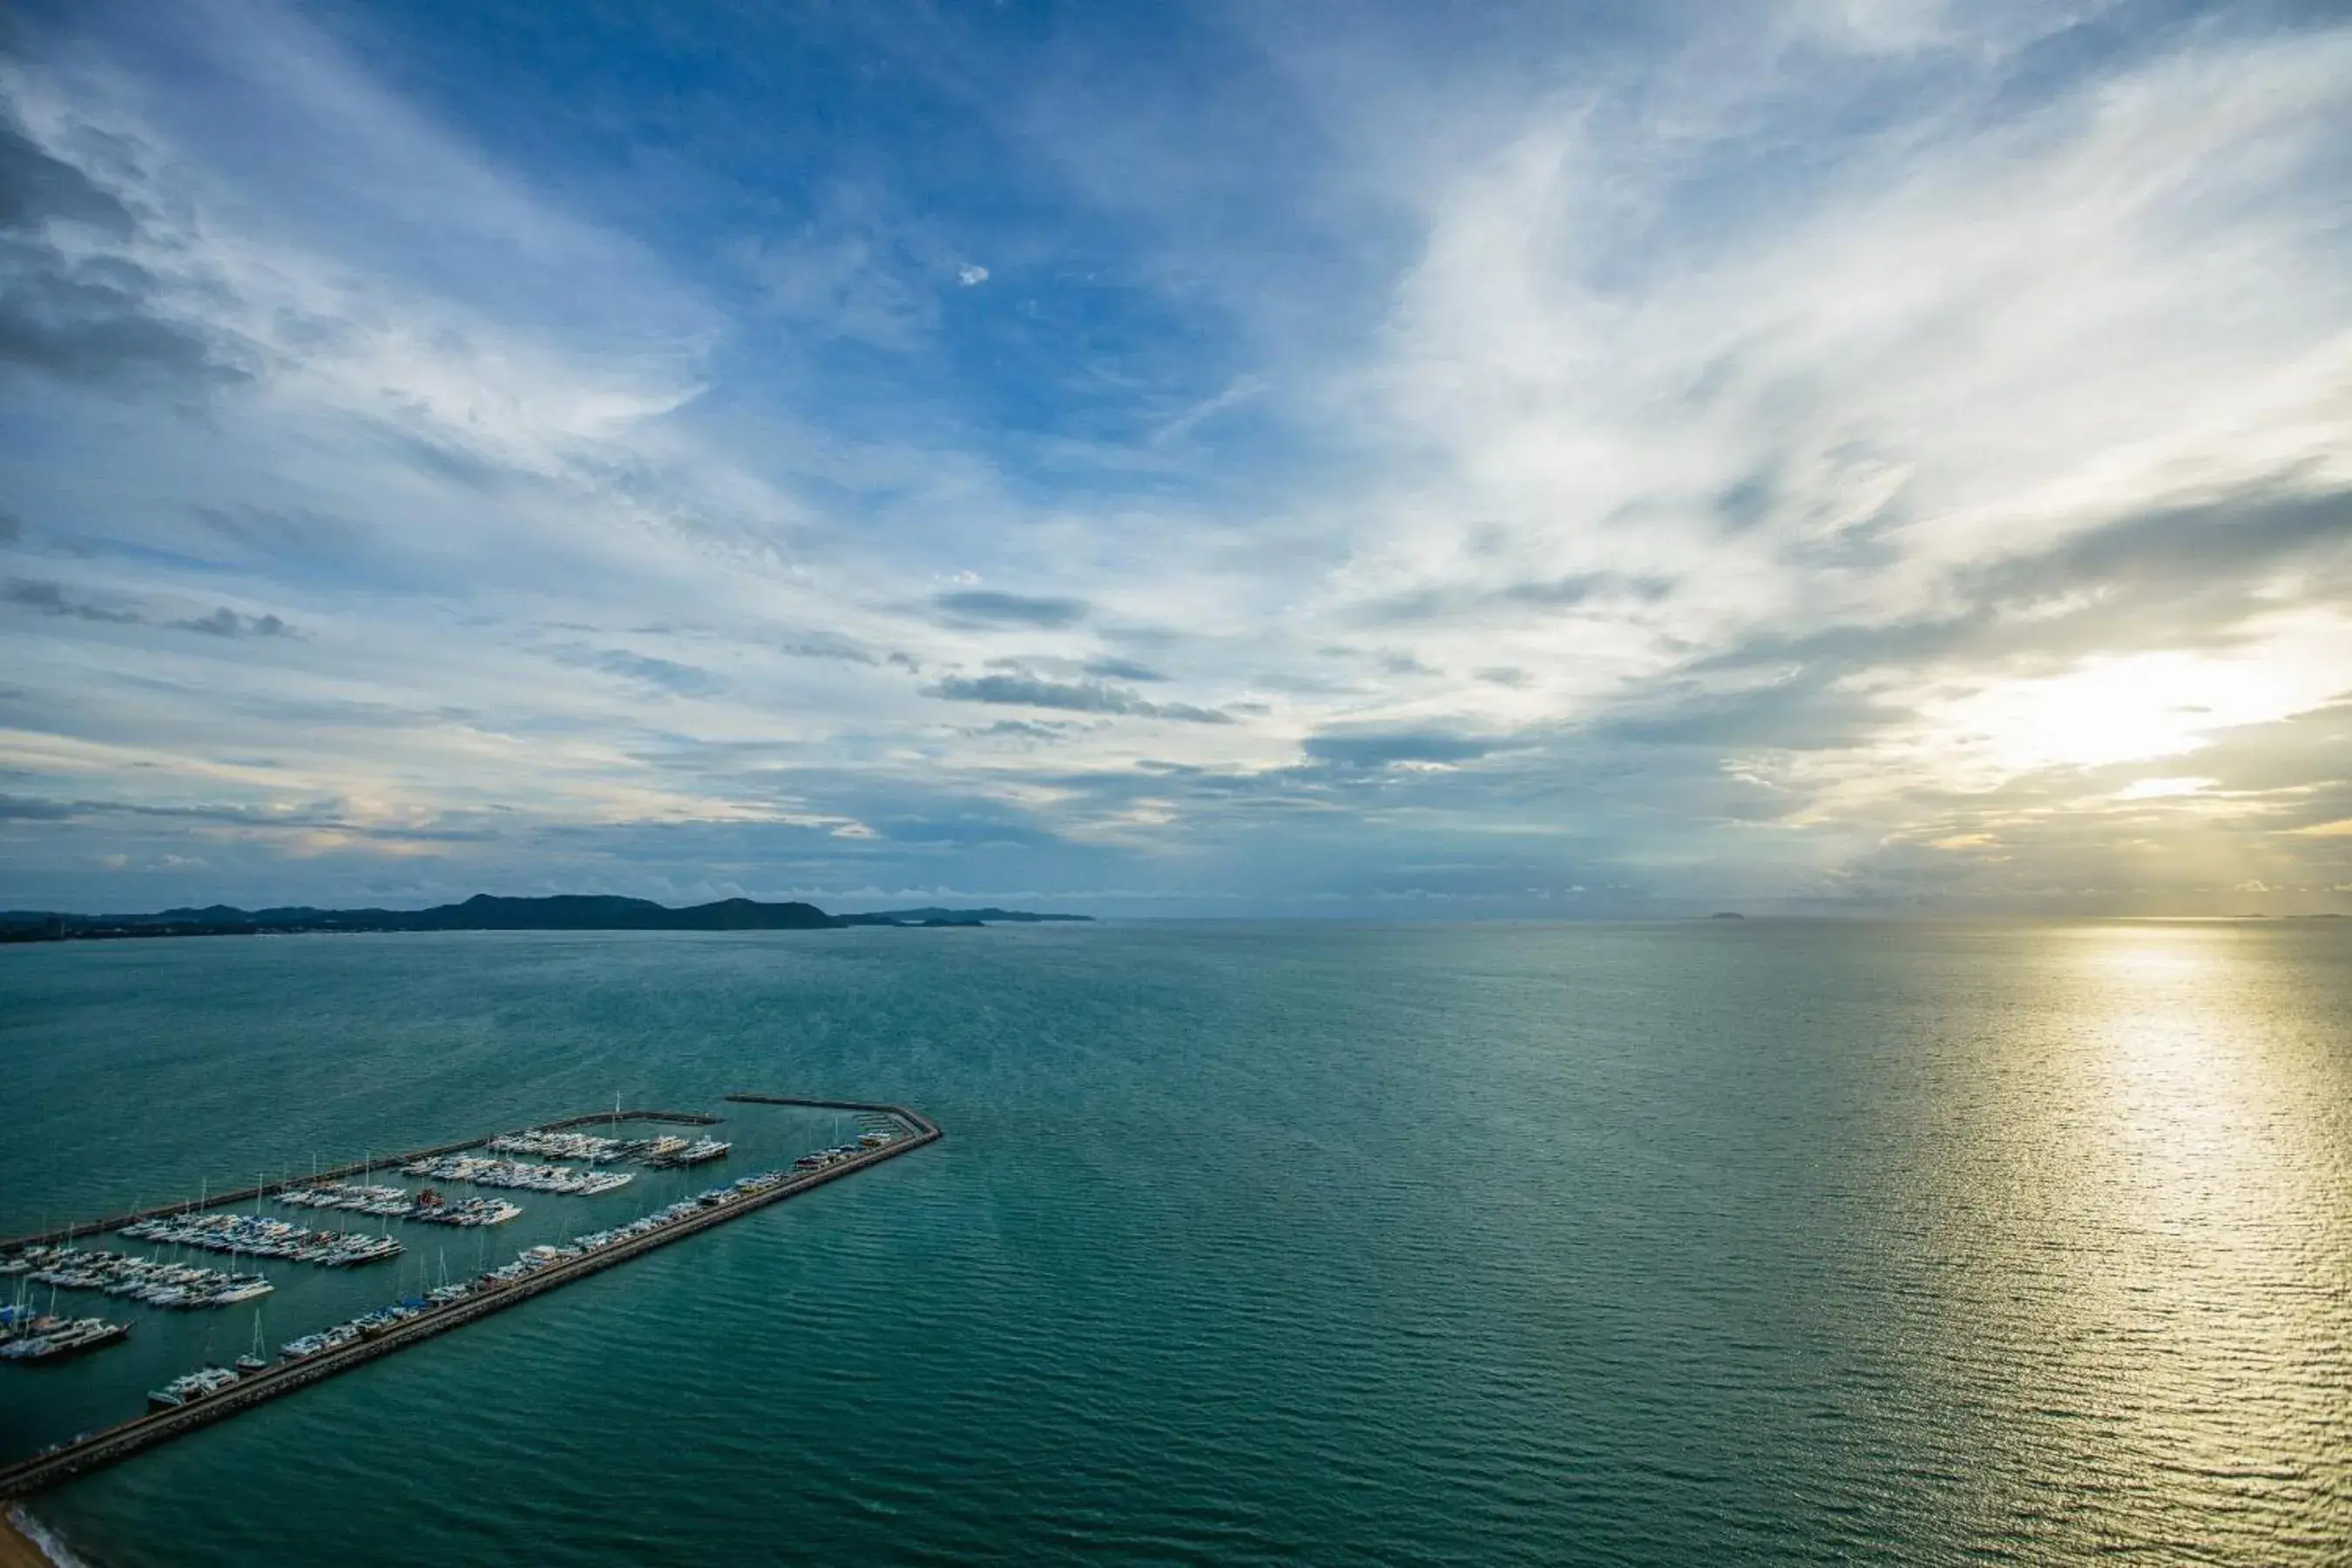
[{"x": 422, "y": 1306}]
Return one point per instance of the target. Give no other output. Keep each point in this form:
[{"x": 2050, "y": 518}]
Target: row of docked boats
[
  {"x": 481, "y": 1171},
  {"x": 699, "y": 1152},
  {"x": 548, "y": 1143},
  {"x": 148, "y": 1279},
  {"x": 530, "y": 1261},
  {"x": 258, "y": 1236},
  {"x": 207, "y": 1381},
  {"x": 661, "y": 1153},
  {"x": 367, "y": 1325},
  {"x": 34, "y": 1337},
  {"x": 866, "y": 1144},
  {"x": 533, "y": 1260},
  {"x": 427, "y": 1207}
]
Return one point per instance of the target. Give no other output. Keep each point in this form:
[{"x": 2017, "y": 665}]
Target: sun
[{"x": 2117, "y": 710}]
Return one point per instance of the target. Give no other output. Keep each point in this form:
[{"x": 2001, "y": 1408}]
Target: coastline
[{"x": 25, "y": 1544}]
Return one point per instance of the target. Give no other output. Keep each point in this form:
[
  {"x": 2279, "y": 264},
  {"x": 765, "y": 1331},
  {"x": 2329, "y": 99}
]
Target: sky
[{"x": 1836, "y": 457}]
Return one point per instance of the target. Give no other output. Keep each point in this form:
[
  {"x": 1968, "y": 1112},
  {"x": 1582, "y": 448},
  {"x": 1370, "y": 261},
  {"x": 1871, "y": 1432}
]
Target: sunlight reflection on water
[{"x": 2175, "y": 1244}]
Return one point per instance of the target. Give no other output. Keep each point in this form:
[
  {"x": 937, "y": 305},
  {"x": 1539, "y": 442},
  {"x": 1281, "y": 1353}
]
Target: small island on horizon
[{"x": 485, "y": 912}]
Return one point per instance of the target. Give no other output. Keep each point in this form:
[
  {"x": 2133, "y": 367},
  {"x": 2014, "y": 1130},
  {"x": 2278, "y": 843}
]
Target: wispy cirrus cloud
[
  {"x": 1021, "y": 690},
  {"x": 45, "y": 598},
  {"x": 225, "y": 621},
  {"x": 987, "y": 607}
]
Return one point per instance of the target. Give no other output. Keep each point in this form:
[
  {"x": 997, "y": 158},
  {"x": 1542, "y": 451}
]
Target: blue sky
[{"x": 1846, "y": 456}]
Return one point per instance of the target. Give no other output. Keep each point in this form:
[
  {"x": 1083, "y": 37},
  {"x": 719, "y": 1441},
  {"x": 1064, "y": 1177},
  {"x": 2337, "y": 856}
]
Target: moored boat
[
  {"x": 201, "y": 1384},
  {"x": 254, "y": 1361}
]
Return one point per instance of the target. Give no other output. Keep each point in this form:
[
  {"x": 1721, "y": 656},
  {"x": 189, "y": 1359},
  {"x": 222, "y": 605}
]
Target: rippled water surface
[{"x": 1721, "y": 1242}]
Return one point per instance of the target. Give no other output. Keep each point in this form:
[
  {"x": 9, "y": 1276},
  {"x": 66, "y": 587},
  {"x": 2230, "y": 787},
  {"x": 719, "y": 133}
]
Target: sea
[{"x": 1696, "y": 1242}]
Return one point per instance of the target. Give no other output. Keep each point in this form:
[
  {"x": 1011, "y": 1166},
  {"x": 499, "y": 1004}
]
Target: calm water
[{"x": 1656, "y": 1244}]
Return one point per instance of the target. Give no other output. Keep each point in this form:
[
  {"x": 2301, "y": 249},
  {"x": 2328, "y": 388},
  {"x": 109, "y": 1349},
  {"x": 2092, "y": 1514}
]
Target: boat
[
  {"x": 361, "y": 1248},
  {"x": 252, "y": 1361},
  {"x": 201, "y": 1384},
  {"x": 23, "y": 1319}
]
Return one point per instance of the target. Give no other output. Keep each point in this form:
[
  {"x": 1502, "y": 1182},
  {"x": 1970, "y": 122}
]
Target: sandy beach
[{"x": 17, "y": 1548}]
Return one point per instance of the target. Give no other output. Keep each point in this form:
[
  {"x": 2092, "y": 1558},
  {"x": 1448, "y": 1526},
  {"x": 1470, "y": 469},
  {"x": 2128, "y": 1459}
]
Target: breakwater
[{"x": 114, "y": 1444}]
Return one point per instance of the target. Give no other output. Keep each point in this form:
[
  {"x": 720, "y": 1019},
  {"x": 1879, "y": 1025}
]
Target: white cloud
[{"x": 1676, "y": 366}]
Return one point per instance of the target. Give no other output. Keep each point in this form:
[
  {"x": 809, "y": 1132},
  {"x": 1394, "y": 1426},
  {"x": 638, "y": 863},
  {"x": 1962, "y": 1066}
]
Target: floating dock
[{"x": 116, "y": 1443}]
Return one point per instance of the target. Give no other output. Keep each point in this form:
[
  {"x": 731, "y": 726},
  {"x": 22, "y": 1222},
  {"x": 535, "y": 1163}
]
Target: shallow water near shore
[{"x": 1744, "y": 1241}]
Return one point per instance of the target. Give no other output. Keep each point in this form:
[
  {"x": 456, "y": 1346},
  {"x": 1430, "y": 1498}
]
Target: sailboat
[{"x": 252, "y": 1361}]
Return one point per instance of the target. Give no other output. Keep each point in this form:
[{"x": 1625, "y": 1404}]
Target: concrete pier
[{"x": 114, "y": 1444}]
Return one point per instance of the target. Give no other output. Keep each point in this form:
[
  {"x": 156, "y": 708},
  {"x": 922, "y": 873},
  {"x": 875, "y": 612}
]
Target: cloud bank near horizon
[{"x": 1842, "y": 457}]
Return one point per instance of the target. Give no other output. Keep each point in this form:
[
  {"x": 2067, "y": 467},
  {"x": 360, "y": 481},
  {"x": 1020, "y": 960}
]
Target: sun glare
[
  {"x": 2126, "y": 710},
  {"x": 2165, "y": 789}
]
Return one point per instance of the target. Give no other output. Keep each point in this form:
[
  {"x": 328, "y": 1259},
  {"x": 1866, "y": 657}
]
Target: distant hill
[
  {"x": 483, "y": 911},
  {"x": 934, "y": 915}
]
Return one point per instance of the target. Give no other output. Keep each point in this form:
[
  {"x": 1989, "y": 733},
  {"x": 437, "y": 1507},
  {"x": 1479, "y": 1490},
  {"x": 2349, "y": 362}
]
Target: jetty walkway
[{"x": 116, "y": 1443}]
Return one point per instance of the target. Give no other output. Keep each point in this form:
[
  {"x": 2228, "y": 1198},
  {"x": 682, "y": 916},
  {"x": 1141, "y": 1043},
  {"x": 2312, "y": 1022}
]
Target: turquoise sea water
[{"x": 1713, "y": 1242}]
